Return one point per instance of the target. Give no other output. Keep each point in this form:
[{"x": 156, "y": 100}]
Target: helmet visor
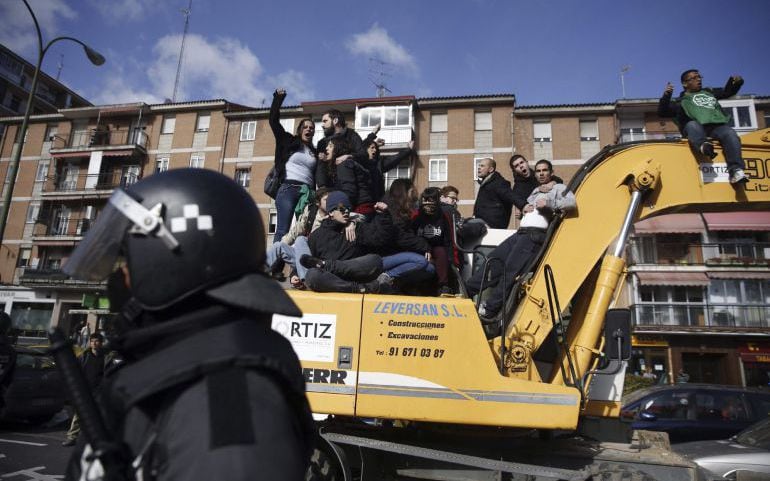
[{"x": 95, "y": 256}]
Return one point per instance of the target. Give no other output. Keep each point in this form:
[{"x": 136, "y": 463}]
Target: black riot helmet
[{"x": 183, "y": 232}]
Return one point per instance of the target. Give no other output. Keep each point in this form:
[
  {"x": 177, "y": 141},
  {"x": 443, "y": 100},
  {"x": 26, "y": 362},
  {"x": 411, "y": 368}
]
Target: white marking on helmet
[{"x": 191, "y": 211}]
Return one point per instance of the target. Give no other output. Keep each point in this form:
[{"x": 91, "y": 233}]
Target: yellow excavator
[{"x": 408, "y": 387}]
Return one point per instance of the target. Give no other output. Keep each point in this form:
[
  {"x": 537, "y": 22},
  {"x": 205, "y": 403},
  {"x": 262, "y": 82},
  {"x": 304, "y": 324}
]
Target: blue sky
[{"x": 544, "y": 52}]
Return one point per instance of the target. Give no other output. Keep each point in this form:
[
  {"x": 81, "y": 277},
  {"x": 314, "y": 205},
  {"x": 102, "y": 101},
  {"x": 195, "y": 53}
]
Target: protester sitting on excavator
[
  {"x": 339, "y": 265},
  {"x": 525, "y": 181},
  {"x": 698, "y": 114},
  {"x": 511, "y": 257}
]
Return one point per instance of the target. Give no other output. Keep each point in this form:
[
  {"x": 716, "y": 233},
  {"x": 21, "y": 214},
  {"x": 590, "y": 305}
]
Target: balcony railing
[
  {"x": 717, "y": 316},
  {"x": 391, "y": 135},
  {"x": 93, "y": 138},
  {"x": 68, "y": 182},
  {"x": 725, "y": 254},
  {"x": 52, "y": 276},
  {"x": 61, "y": 225}
]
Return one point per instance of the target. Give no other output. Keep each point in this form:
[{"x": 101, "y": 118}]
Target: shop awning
[
  {"x": 671, "y": 224},
  {"x": 673, "y": 278},
  {"x": 739, "y": 274},
  {"x": 738, "y": 221}
]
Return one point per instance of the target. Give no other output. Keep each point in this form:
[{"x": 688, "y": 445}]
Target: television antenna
[
  {"x": 378, "y": 72},
  {"x": 623, "y": 70},
  {"x": 186, "y": 12}
]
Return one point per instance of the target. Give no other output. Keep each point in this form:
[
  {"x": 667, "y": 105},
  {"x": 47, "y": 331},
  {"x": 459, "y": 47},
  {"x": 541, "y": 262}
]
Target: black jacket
[
  {"x": 405, "y": 238},
  {"x": 355, "y": 181},
  {"x": 224, "y": 401},
  {"x": 673, "y": 109},
  {"x": 494, "y": 201},
  {"x": 285, "y": 143},
  {"x": 93, "y": 367},
  {"x": 329, "y": 243}
]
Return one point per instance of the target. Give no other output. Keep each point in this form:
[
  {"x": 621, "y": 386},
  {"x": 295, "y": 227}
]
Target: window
[
  {"x": 161, "y": 164},
  {"x": 438, "y": 122},
  {"x": 483, "y": 120},
  {"x": 50, "y": 132},
  {"x": 202, "y": 124},
  {"x": 42, "y": 170},
  {"x": 288, "y": 125},
  {"x": 15, "y": 103},
  {"x": 32, "y": 316},
  {"x": 541, "y": 130},
  {"x": 370, "y": 117},
  {"x": 400, "y": 172},
  {"x": 169, "y": 122},
  {"x": 243, "y": 177},
  {"x": 396, "y": 116},
  {"x": 196, "y": 160},
  {"x": 589, "y": 130},
  {"x": 24, "y": 254},
  {"x": 437, "y": 170},
  {"x": 476, "y": 167},
  {"x": 632, "y": 129},
  {"x": 670, "y": 405},
  {"x": 248, "y": 130},
  {"x": 742, "y": 114},
  {"x": 33, "y": 211},
  {"x": 272, "y": 221}
]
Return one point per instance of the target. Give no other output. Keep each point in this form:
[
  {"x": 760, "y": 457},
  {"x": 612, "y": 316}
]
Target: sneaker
[
  {"x": 738, "y": 176},
  {"x": 69, "y": 442},
  {"x": 707, "y": 149},
  {"x": 445, "y": 291},
  {"x": 311, "y": 262},
  {"x": 371, "y": 287}
]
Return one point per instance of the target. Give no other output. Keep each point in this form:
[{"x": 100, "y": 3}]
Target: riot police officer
[{"x": 207, "y": 390}]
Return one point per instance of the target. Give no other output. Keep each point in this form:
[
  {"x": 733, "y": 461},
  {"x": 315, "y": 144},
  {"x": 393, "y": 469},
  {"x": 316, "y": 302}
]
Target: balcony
[
  {"x": 393, "y": 136},
  {"x": 60, "y": 226},
  {"x": 756, "y": 254},
  {"x": 702, "y": 316},
  {"x": 131, "y": 141},
  {"x": 70, "y": 184},
  {"x": 53, "y": 277},
  {"x": 649, "y": 135}
]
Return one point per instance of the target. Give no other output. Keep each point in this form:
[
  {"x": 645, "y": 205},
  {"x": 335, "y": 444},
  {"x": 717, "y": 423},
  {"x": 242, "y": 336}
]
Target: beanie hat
[{"x": 335, "y": 199}]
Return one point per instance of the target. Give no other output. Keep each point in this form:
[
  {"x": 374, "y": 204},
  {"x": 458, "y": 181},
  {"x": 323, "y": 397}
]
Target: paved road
[{"x": 34, "y": 452}]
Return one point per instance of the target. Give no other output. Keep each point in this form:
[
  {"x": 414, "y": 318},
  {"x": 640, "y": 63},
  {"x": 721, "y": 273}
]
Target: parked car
[
  {"x": 748, "y": 451},
  {"x": 695, "y": 412},
  {"x": 36, "y": 392}
]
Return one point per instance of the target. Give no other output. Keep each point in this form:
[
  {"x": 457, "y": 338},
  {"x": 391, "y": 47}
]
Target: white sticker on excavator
[
  {"x": 311, "y": 336},
  {"x": 714, "y": 172}
]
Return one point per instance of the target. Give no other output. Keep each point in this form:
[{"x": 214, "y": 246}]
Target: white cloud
[
  {"x": 376, "y": 43},
  {"x": 17, "y": 30},
  {"x": 296, "y": 85},
  {"x": 220, "y": 68},
  {"x": 122, "y": 10}
]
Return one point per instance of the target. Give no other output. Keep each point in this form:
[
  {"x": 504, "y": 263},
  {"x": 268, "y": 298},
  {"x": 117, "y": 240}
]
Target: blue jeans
[
  {"x": 285, "y": 202},
  {"x": 400, "y": 264},
  {"x": 290, "y": 254},
  {"x": 731, "y": 144}
]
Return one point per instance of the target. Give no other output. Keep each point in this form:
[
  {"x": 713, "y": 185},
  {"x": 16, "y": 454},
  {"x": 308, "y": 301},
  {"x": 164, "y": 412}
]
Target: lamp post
[{"x": 95, "y": 57}]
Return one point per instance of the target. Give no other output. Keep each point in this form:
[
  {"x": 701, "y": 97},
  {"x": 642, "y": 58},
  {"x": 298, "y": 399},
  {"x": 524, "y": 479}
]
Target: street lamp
[{"x": 95, "y": 57}]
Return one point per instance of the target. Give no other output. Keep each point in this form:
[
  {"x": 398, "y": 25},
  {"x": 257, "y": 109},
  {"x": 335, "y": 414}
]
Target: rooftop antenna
[
  {"x": 623, "y": 70},
  {"x": 60, "y": 66},
  {"x": 377, "y": 69},
  {"x": 186, "y": 12}
]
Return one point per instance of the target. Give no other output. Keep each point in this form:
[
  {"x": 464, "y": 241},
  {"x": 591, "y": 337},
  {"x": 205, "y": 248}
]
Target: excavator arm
[{"x": 621, "y": 185}]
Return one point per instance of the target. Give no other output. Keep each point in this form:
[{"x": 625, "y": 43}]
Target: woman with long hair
[
  {"x": 295, "y": 161},
  {"x": 410, "y": 254}
]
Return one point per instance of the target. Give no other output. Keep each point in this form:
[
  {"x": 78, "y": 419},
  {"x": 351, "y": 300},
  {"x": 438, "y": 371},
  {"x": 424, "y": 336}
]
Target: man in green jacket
[{"x": 698, "y": 114}]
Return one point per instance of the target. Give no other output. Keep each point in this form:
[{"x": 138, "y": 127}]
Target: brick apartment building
[{"x": 75, "y": 157}]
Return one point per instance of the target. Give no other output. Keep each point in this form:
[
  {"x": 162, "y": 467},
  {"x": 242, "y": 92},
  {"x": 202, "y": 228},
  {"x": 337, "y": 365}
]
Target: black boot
[{"x": 311, "y": 262}]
